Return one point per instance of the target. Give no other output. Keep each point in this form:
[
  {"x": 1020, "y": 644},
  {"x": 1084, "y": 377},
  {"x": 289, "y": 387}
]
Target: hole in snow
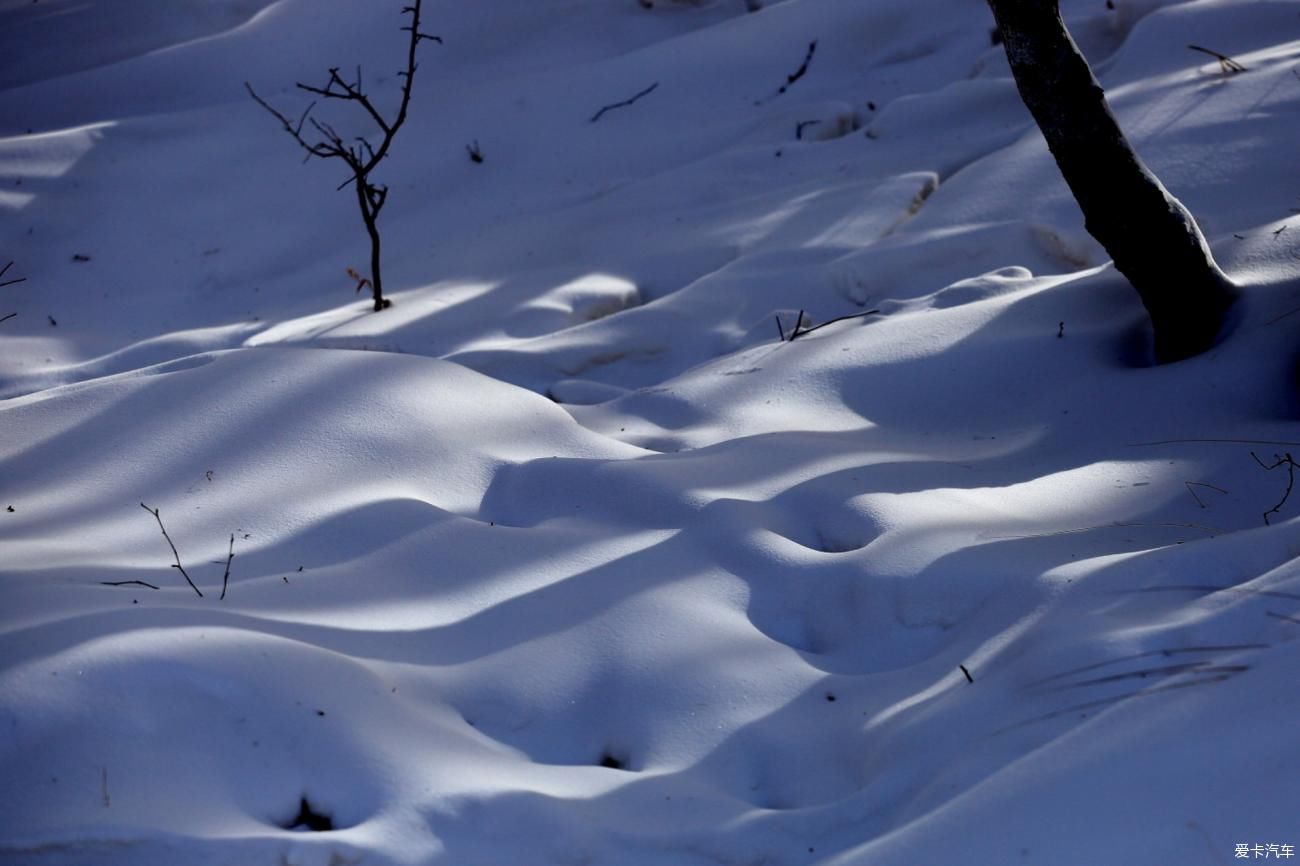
[
  {"x": 613, "y": 763},
  {"x": 309, "y": 818}
]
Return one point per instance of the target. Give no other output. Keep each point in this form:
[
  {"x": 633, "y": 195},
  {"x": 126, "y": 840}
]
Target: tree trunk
[
  {"x": 1153, "y": 239},
  {"x": 370, "y": 216}
]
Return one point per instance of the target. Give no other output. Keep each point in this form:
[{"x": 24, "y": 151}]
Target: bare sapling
[{"x": 359, "y": 154}]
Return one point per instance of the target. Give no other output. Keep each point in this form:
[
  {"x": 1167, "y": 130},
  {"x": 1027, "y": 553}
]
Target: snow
[{"x": 567, "y": 557}]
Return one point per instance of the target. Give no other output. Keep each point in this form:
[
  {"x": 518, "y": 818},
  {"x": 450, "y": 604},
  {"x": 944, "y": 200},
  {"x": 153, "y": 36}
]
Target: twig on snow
[
  {"x": 801, "y": 126},
  {"x": 1227, "y": 65},
  {"x": 613, "y": 105},
  {"x": 1189, "y": 485},
  {"x": 799, "y": 330},
  {"x": 13, "y": 281},
  {"x": 126, "y": 583},
  {"x": 225, "y": 578},
  {"x": 1290, "y": 464},
  {"x": 796, "y": 75},
  {"x": 802, "y": 70},
  {"x": 178, "y": 566}
]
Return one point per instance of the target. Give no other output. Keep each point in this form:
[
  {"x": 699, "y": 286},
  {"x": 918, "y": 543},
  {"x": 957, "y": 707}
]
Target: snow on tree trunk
[{"x": 1152, "y": 238}]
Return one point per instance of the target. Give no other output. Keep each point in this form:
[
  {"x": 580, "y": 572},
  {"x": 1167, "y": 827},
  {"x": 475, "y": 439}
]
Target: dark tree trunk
[
  {"x": 370, "y": 216},
  {"x": 1153, "y": 239}
]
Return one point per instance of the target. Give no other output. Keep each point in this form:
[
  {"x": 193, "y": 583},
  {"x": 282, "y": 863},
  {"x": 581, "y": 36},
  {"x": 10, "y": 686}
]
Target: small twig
[
  {"x": 10, "y": 282},
  {"x": 8, "y": 317},
  {"x": 1290, "y": 464},
  {"x": 1282, "y": 616},
  {"x": 475, "y": 154},
  {"x": 599, "y": 114},
  {"x": 1189, "y": 485},
  {"x": 225, "y": 578},
  {"x": 801, "y": 126},
  {"x": 126, "y": 583},
  {"x": 798, "y": 333},
  {"x": 802, "y": 70},
  {"x": 175, "y": 553},
  {"x": 780, "y": 330},
  {"x": 1276, "y": 319},
  {"x": 793, "y": 76},
  {"x": 969, "y": 678},
  {"x": 1227, "y": 65}
]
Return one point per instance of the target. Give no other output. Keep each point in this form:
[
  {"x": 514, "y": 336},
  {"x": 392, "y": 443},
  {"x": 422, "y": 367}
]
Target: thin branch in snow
[
  {"x": 13, "y": 281},
  {"x": 796, "y": 75},
  {"x": 613, "y": 105},
  {"x": 181, "y": 568},
  {"x": 127, "y": 583},
  {"x": 799, "y": 333},
  {"x": 1283, "y": 316},
  {"x": 802, "y": 70},
  {"x": 801, "y": 126},
  {"x": 1227, "y": 65},
  {"x": 1190, "y": 485},
  {"x": 969, "y": 678},
  {"x": 1290, "y": 464},
  {"x": 225, "y": 578}
]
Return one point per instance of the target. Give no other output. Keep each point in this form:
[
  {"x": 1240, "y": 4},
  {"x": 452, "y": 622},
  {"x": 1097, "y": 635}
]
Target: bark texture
[{"x": 1152, "y": 238}]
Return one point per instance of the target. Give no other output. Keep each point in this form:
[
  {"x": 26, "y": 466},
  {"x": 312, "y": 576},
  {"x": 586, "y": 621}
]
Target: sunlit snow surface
[{"x": 567, "y": 558}]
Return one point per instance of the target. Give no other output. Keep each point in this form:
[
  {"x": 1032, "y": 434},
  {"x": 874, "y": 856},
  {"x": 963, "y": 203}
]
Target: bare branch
[
  {"x": 294, "y": 130},
  {"x": 361, "y": 156},
  {"x": 1291, "y": 466},
  {"x": 599, "y": 114},
  {"x": 225, "y": 578},
  {"x": 337, "y": 88},
  {"x": 802, "y": 70},
  {"x": 181, "y": 568},
  {"x": 10, "y": 282},
  {"x": 794, "y": 76},
  {"x": 1227, "y": 65},
  {"x": 798, "y": 333},
  {"x": 127, "y": 583},
  {"x": 1189, "y": 485}
]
